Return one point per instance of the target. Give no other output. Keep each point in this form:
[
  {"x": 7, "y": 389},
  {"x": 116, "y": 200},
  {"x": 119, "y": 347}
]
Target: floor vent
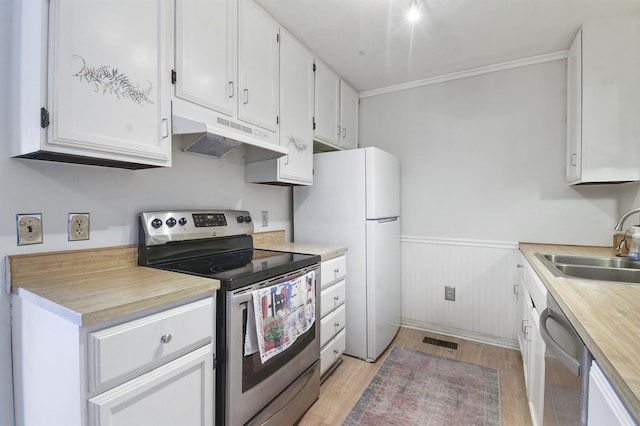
[{"x": 439, "y": 342}]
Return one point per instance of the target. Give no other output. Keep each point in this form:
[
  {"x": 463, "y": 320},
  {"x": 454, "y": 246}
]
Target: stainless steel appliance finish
[
  {"x": 219, "y": 244},
  {"x": 566, "y": 389}
]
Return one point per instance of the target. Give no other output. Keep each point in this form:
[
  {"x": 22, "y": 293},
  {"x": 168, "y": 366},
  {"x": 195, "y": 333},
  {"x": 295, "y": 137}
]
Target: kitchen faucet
[{"x": 624, "y": 217}]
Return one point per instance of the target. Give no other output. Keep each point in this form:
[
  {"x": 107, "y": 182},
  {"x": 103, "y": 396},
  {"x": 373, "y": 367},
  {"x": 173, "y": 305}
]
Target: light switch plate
[
  {"x": 29, "y": 228},
  {"x": 78, "y": 226}
]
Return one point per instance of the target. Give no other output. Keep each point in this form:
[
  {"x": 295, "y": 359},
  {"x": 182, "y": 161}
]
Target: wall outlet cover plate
[
  {"x": 78, "y": 226},
  {"x": 29, "y": 228}
]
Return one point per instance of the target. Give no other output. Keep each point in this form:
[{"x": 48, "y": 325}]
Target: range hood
[{"x": 213, "y": 135}]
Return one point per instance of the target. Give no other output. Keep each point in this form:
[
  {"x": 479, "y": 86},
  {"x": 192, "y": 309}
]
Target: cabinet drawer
[
  {"x": 332, "y": 351},
  {"x": 331, "y": 298},
  {"x": 131, "y": 348},
  {"x": 331, "y": 325},
  {"x": 332, "y": 270}
]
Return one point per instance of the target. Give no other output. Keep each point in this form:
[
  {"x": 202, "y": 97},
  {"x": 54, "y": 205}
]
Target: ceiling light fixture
[{"x": 413, "y": 14}]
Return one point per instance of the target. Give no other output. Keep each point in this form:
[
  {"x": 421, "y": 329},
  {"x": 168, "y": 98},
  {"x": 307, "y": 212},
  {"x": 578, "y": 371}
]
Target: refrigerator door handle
[{"x": 387, "y": 219}]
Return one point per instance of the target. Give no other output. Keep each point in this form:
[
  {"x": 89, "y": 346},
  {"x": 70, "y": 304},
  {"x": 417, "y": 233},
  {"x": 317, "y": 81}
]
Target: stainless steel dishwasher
[{"x": 567, "y": 362}]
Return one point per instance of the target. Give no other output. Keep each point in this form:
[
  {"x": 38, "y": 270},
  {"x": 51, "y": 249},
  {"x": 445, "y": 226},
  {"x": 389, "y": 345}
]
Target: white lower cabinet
[
  {"x": 531, "y": 301},
  {"x": 177, "y": 393},
  {"x": 605, "y": 406},
  {"x": 156, "y": 369},
  {"x": 332, "y": 311}
]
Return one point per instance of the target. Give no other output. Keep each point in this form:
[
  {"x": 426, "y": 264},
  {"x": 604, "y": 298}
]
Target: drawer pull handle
[
  {"x": 335, "y": 351},
  {"x": 337, "y": 324},
  {"x": 336, "y": 298},
  {"x": 166, "y": 338},
  {"x": 336, "y": 271}
]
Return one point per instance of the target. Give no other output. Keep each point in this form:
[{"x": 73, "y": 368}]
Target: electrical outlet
[
  {"x": 78, "y": 226},
  {"x": 29, "y": 227},
  {"x": 265, "y": 218},
  {"x": 449, "y": 293}
]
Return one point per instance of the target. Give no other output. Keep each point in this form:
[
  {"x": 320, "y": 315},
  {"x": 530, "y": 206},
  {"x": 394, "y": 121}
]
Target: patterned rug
[{"x": 417, "y": 388}]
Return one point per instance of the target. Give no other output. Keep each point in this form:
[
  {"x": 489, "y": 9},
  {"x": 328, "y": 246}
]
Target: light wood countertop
[
  {"x": 95, "y": 285},
  {"x": 606, "y": 315},
  {"x": 325, "y": 252}
]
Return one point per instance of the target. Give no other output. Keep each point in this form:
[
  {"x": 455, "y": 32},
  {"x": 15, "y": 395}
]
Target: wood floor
[{"x": 342, "y": 389}]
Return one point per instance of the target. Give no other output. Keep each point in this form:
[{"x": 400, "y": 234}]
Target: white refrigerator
[{"x": 355, "y": 202}]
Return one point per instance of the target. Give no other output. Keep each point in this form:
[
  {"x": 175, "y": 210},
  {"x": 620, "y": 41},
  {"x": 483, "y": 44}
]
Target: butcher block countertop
[
  {"x": 95, "y": 285},
  {"x": 606, "y": 315},
  {"x": 325, "y": 252}
]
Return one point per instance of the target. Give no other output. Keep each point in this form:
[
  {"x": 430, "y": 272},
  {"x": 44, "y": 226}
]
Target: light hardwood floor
[{"x": 343, "y": 388}]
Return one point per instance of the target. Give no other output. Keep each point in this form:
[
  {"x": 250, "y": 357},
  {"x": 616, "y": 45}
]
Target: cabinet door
[
  {"x": 605, "y": 406},
  {"x": 205, "y": 53},
  {"x": 574, "y": 110},
  {"x": 535, "y": 384},
  {"x": 178, "y": 393},
  {"x": 258, "y": 66},
  {"x": 327, "y": 125},
  {"x": 348, "y": 116},
  {"x": 108, "y": 79},
  {"x": 296, "y": 110}
]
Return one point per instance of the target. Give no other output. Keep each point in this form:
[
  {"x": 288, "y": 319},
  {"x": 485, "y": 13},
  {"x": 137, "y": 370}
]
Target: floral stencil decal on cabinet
[
  {"x": 107, "y": 79},
  {"x": 297, "y": 143}
]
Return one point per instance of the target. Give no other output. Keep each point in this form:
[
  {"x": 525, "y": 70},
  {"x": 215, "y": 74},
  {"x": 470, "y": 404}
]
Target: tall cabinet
[
  {"x": 92, "y": 82},
  {"x": 603, "y": 91}
]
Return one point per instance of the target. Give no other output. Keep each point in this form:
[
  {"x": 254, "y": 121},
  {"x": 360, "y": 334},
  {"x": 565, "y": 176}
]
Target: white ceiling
[{"x": 371, "y": 45}]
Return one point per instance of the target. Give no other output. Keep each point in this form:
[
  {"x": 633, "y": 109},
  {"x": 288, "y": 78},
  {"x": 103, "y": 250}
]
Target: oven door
[{"x": 251, "y": 385}]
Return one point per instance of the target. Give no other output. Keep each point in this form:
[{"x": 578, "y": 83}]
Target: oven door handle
[{"x": 565, "y": 358}]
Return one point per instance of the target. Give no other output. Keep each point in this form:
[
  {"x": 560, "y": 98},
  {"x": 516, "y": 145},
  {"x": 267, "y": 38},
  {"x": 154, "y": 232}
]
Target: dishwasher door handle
[{"x": 565, "y": 358}]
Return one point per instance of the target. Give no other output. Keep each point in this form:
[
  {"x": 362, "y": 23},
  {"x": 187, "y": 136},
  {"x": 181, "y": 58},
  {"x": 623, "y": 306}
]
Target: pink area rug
[{"x": 417, "y": 388}]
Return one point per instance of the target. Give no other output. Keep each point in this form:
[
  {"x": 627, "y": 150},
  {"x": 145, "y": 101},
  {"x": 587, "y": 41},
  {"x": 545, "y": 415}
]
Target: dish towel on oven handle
[{"x": 280, "y": 314}]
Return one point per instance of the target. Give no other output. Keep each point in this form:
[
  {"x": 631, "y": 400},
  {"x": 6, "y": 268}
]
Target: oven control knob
[
  {"x": 183, "y": 221},
  {"x": 240, "y": 219},
  {"x": 156, "y": 223},
  {"x": 171, "y": 222},
  {"x": 247, "y": 219}
]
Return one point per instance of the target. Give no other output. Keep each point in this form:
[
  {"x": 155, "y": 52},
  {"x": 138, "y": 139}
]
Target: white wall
[
  {"x": 113, "y": 197},
  {"x": 483, "y": 158}
]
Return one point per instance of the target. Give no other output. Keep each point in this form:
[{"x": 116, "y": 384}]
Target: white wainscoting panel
[{"x": 483, "y": 273}]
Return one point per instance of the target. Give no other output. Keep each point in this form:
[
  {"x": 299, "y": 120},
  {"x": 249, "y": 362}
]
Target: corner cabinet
[
  {"x": 156, "y": 369},
  {"x": 603, "y": 102},
  {"x": 296, "y": 120},
  {"x": 332, "y": 313},
  {"x": 336, "y": 111},
  {"x": 92, "y": 82}
]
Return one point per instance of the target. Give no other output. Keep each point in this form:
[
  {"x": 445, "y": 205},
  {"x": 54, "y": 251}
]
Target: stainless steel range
[{"x": 219, "y": 244}]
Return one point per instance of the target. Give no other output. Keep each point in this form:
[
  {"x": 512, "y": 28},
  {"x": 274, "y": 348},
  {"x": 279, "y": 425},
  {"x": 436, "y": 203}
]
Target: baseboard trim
[{"x": 461, "y": 334}]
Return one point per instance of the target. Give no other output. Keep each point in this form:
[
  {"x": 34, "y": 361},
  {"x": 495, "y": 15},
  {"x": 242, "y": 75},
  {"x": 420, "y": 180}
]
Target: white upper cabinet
[
  {"x": 205, "y": 53},
  {"x": 296, "y": 119},
  {"x": 336, "y": 110},
  {"x": 327, "y": 104},
  {"x": 348, "y": 116},
  {"x": 603, "y": 89},
  {"x": 226, "y": 78},
  {"x": 103, "y": 95},
  {"x": 258, "y": 66}
]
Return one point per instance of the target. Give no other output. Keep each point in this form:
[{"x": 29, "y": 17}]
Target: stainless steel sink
[{"x": 601, "y": 268}]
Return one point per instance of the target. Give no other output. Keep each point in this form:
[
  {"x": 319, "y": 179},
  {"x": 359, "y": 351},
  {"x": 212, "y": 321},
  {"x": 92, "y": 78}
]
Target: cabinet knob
[
  {"x": 336, "y": 298},
  {"x": 337, "y": 324},
  {"x": 335, "y": 351},
  {"x": 166, "y": 338}
]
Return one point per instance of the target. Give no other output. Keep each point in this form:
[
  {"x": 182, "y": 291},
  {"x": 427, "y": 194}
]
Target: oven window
[{"x": 254, "y": 371}]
